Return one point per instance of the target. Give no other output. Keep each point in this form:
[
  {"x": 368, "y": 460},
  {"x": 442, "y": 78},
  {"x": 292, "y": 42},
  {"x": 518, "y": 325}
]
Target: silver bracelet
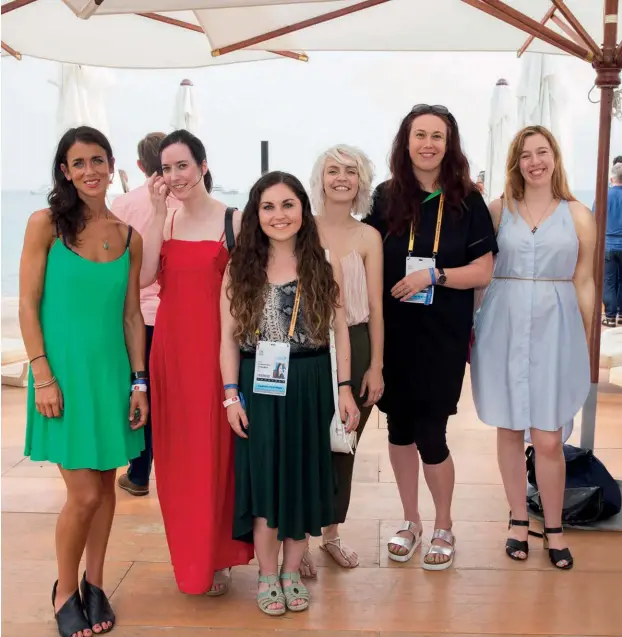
[{"x": 45, "y": 383}]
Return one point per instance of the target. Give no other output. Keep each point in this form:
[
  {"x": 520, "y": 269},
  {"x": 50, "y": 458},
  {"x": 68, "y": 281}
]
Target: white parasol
[
  {"x": 543, "y": 100},
  {"x": 501, "y": 129},
  {"x": 186, "y": 113}
]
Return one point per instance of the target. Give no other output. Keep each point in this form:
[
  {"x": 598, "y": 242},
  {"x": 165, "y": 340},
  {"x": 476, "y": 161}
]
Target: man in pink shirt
[{"x": 135, "y": 209}]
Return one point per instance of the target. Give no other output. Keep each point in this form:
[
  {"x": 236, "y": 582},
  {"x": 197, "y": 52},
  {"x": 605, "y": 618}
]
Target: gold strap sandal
[
  {"x": 336, "y": 542},
  {"x": 221, "y": 583}
]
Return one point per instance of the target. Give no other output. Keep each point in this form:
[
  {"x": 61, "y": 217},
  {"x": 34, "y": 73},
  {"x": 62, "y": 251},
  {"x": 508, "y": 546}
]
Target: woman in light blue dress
[{"x": 530, "y": 364}]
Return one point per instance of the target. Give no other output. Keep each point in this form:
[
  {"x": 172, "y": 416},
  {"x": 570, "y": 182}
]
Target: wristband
[
  {"x": 433, "y": 276},
  {"x": 139, "y": 387},
  {"x": 346, "y": 383},
  {"x": 231, "y": 386},
  {"x": 231, "y": 401}
]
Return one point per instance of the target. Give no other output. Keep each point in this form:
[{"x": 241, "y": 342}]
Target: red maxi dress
[{"x": 192, "y": 439}]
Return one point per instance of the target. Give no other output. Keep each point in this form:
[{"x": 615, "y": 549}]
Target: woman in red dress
[{"x": 192, "y": 442}]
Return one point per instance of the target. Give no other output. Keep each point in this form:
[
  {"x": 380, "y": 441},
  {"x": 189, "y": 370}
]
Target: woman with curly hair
[
  {"x": 278, "y": 302},
  {"x": 79, "y": 312},
  {"x": 439, "y": 243}
]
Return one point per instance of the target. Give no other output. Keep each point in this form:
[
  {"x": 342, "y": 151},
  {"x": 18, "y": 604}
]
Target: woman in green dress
[
  {"x": 278, "y": 302},
  {"x": 83, "y": 330}
]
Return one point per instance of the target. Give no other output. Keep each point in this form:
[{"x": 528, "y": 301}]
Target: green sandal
[
  {"x": 274, "y": 595},
  {"x": 296, "y": 591}
]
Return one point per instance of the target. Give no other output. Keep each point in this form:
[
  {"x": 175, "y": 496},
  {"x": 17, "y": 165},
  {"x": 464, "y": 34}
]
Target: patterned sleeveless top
[{"x": 277, "y": 315}]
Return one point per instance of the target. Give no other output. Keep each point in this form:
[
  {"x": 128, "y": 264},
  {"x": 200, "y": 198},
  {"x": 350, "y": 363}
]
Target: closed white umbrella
[
  {"x": 501, "y": 129},
  {"x": 186, "y": 113},
  {"x": 82, "y": 97},
  {"x": 542, "y": 100}
]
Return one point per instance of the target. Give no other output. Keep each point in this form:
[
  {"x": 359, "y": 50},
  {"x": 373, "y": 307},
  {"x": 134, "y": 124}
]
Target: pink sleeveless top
[{"x": 355, "y": 289}]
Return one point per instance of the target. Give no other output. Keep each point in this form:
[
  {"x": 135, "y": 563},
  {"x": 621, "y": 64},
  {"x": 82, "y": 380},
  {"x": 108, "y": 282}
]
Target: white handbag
[{"x": 340, "y": 440}]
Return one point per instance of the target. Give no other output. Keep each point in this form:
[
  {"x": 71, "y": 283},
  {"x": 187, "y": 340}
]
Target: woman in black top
[{"x": 427, "y": 335}]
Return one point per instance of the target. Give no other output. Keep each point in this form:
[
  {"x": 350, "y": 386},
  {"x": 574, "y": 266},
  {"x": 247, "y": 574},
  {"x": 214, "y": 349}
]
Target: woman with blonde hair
[
  {"x": 340, "y": 188},
  {"x": 530, "y": 367}
]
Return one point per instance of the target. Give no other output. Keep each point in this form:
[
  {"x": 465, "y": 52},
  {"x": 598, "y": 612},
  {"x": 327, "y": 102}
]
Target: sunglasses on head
[{"x": 427, "y": 109}]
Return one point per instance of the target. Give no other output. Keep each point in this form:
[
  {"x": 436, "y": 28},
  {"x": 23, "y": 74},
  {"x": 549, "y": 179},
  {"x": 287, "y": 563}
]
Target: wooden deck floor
[{"x": 484, "y": 594}]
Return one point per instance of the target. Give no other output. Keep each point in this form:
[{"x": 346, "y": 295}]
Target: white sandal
[
  {"x": 221, "y": 578},
  {"x": 336, "y": 542},
  {"x": 447, "y": 551},
  {"x": 409, "y": 545}
]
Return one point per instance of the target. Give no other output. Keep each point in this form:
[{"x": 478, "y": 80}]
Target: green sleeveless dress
[{"x": 81, "y": 318}]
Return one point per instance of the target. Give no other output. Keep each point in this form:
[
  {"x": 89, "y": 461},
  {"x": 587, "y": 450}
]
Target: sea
[{"x": 17, "y": 206}]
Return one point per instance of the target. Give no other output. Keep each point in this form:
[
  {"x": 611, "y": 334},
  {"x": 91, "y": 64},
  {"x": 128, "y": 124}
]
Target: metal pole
[
  {"x": 265, "y": 163},
  {"x": 607, "y": 78}
]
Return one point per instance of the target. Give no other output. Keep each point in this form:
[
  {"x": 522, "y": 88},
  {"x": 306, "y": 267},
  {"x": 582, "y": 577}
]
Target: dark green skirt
[{"x": 283, "y": 471}]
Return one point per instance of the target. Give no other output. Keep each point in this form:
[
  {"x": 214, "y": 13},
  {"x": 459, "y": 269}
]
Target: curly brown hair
[
  {"x": 249, "y": 261},
  {"x": 404, "y": 190}
]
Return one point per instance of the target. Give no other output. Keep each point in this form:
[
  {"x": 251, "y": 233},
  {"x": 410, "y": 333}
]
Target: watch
[{"x": 442, "y": 278}]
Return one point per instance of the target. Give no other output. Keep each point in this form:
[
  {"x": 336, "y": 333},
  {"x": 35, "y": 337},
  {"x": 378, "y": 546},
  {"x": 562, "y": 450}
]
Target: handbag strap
[{"x": 333, "y": 357}]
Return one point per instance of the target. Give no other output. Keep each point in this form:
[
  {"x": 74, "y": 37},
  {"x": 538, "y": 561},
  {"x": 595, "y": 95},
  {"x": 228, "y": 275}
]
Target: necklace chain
[{"x": 536, "y": 225}]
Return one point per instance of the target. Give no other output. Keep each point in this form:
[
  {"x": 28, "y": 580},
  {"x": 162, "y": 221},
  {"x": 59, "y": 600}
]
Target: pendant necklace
[
  {"x": 536, "y": 225},
  {"x": 106, "y": 245}
]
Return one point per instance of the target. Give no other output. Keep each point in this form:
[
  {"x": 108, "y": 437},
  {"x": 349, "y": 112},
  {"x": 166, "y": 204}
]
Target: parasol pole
[{"x": 607, "y": 79}]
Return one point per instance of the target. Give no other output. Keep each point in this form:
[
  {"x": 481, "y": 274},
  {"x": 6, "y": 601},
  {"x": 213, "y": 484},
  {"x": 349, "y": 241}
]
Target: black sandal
[
  {"x": 70, "y": 619},
  {"x": 512, "y": 546},
  {"x": 96, "y": 606},
  {"x": 556, "y": 555}
]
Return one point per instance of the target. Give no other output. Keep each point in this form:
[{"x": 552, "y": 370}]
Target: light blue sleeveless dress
[{"x": 529, "y": 363}]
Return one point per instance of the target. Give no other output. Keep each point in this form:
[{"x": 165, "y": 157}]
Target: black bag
[
  {"x": 229, "y": 234},
  {"x": 591, "y": 493}
]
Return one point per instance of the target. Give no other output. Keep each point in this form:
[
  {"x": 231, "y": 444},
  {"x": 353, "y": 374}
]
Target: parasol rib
[
  {"x": 11, "y": 51},
  {"x": 297, "y": 26},
  {"x": 578, "y": 28},
  {"x": 547, "y": 16},
  {"x": 16, "y": 4},
  {"x": 511, "y": 16},
  {"x": 301, "y": 57}
]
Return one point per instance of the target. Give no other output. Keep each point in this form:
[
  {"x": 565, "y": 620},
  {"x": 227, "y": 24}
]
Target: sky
[{"x": 300, "y": 108}]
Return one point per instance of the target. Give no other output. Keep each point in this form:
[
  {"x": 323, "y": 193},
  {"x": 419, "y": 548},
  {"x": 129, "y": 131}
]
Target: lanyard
[
  {"x": 439, "y": 219},
  {"x": 292, "y": 323}
]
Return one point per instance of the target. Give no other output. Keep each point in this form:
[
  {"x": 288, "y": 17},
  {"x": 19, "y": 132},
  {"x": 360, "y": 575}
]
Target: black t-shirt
[{"x": 426, "y": 346}]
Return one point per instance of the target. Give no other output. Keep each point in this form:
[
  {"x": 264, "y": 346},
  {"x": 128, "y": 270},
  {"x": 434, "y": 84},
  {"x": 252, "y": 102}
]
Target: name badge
[
  {"x": 271, "y": 368},
  {"x": 414, "y": 264}
]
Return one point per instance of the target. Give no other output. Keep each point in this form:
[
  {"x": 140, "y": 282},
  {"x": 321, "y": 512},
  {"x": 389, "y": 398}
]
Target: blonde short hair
[{"x": 346, "y": 156}]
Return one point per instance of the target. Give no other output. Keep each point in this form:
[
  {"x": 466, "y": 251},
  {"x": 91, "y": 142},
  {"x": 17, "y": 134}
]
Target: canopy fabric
[
  {"x": 501, "y": 130},
  {"x": 395, "y": 25},
  {"x": 541, "y": 99},
  {"x": 48, "y": 29}
]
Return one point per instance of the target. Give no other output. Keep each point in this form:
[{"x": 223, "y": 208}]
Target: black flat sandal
[
  {"x": 96, "y": 606},
  {"x": 512, "y": 546},
  {"x": 557, "y": 555},
  {"x": 70, "y": 619}
]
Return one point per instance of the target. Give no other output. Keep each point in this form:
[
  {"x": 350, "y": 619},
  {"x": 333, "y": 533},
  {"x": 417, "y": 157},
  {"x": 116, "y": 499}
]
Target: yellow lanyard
[
  {"x": 292, "y": 323},
  {"x": 437, "y": 235}
]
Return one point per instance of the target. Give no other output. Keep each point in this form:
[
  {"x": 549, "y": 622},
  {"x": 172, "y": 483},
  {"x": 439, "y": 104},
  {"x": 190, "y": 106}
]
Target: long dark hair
[
  {"x": 249, "y": 262},
  {"x": 196, "y": 148},
  {"x": 404, "y": 192},
  {"x": 66, "y": 206}
]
